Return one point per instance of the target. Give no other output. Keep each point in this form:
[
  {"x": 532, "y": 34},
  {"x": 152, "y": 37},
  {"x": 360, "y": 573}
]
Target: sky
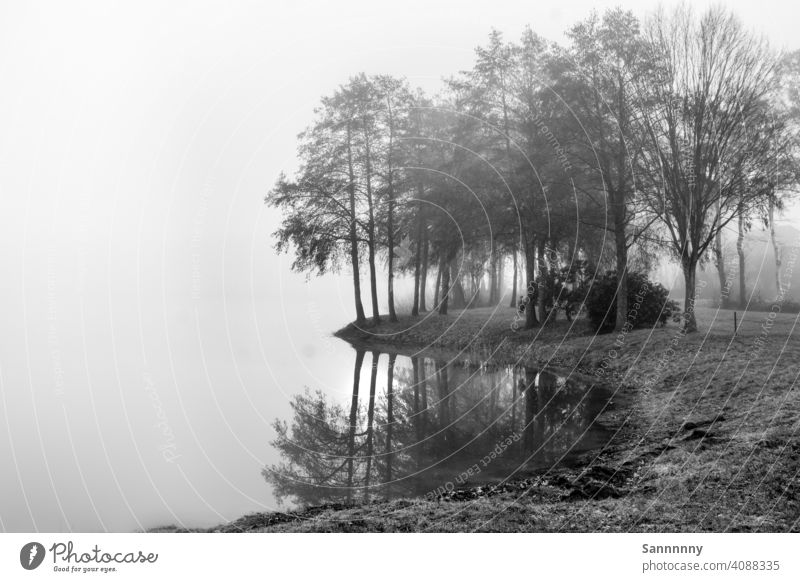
[
  {"x": 157, "y": 128},
  {"x": 137, "y": 142}
]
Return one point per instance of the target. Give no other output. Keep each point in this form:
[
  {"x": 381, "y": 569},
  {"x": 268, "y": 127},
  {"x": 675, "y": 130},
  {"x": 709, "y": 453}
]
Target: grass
[{"x": 706, "y": 431}]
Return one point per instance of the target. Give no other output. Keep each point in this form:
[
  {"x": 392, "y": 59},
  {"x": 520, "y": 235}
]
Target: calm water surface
[
  {"x": 200, "y": 412},
  {"x": 415, "y": 425}
]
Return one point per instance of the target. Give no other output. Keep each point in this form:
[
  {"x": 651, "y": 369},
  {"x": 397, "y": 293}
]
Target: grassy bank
[{"x": 706, "y": 431}]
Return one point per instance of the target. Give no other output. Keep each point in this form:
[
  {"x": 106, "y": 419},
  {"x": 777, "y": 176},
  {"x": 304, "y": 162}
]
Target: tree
[
  {"x": 321, "y": 219},
  {"x": 596, "y": 83},
  {"x": 710, "y": 81}
]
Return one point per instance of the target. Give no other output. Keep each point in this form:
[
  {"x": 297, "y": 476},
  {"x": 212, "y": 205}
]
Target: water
[
  {"x": 137, "y": 413},
  {"x": 417, "y": 426}
]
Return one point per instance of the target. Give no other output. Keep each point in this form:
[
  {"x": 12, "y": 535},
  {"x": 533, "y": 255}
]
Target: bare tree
[{"x": 704, "y": 157}]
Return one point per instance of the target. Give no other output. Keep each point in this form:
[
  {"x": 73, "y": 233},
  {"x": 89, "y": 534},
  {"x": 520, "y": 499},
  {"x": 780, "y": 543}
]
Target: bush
[
  {"x": 565, "y": 289},
  {"x": 648, "y": 302}
]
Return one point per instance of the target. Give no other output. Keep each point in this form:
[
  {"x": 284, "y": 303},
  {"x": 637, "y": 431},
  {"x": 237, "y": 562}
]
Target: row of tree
[{"x": 629, "y": 143}]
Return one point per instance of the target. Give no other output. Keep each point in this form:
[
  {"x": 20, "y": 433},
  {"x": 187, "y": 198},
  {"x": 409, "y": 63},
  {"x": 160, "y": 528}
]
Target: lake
[
  {"x": 154, "y": 410},
  {"x": 416, "y": 426}
]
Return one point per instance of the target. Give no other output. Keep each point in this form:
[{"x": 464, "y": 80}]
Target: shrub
[
  {"x": 648, "y": 302},
  {"x": 565, "y": 289}
]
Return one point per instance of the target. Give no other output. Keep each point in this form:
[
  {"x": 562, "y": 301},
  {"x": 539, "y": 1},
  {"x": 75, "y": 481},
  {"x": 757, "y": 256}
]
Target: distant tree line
[{"x": 634, "y": 142}]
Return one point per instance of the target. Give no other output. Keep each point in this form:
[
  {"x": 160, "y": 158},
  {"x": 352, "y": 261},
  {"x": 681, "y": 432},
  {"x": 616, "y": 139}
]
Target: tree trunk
[
  {"x": 351, "y": 435},
  {"x": 370, "y": 420},
  {"x": 444, "y": 269},
  {"x": 417, "y": 259},
  {"x": 500, "y": 276},
  {"x": 423, "y": 282},
  {"x": 390, "y": 214},
  {"x": 740, "y": 252},
  {"x": 689, "y": 267},
  {"x": 373, "y": 278},
  {"x": 459, "y": 300},
  {"x": 775, "y": 248},
  {"x": 622, "y": 275},
  {"x": 437, "y": 288},
  {"x": 475, "y": 290},
  {"x": 543, "y": 270},
  {"x": 390, "y": 266},
  {"x": 493, "y": 280},
  {"x": 530, "y": 290},
  {"x": 719, "y": 259},
  {"x": 513, "y": 302},
  {"x": 351, "y": 188}
]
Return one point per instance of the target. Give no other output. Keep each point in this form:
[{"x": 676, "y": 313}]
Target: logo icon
[{"x": 31, "y": 555}]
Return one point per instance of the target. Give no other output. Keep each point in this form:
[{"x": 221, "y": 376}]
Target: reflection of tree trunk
[
  {"x": 389, "y": 421},
  {"x": 444, "y": 391},
  {"x": 370, "y": 419},
  {"x": 417, "y": 412},
  {"x": 351, "y": 437},
  {"x": 740, "y": 252},
  {"x": 530, "y": 410},
  {"x": 423, "y": 282},
  {"x": 514, "y": 401},
  {"x": 541, "y": 398},
  {"x": 424, "y": 390}
]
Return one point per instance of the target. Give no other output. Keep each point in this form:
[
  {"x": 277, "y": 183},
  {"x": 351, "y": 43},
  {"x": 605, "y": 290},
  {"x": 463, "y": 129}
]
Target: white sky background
[{"x": 137, "y": 142}]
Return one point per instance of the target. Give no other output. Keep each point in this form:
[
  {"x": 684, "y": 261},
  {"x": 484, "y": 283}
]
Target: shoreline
[{"x": 684, "y": 457}]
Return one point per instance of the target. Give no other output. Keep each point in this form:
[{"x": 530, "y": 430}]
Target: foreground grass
[{"x": 706, "y": 431}]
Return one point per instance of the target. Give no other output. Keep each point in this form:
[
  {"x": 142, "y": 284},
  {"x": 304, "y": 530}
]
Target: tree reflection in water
[{"x": 430, "y": 421}]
